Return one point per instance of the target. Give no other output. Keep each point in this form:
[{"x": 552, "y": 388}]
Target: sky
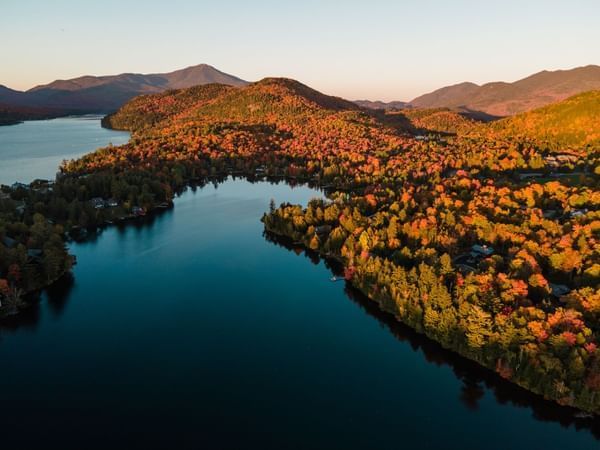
[{"x": 368, "y": 49}]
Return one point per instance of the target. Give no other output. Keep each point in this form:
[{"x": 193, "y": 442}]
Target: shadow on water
[
  {"x": 56, "y": 297},
  {"x": 475, "y": 378}
]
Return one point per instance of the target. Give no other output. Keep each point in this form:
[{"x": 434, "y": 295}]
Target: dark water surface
[
  {"x": 35, "y": 149},
  {"x": 193, "y": 330}
]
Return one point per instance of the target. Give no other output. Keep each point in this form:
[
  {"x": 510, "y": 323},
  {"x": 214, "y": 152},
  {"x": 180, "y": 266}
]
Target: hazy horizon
[{"x": 380, "y": 51}]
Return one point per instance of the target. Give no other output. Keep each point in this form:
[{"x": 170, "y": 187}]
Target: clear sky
[{"x": 376, "y": 49}]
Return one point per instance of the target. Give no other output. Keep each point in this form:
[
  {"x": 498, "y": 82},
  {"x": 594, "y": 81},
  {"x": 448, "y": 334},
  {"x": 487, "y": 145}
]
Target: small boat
[{"x": 334, "y": 278}]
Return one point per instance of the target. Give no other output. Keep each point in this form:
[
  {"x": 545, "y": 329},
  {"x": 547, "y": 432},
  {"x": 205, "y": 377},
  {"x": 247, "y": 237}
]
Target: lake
[
  {"x": 192, "y": 329},
  {"x": 35, "y": 149}
]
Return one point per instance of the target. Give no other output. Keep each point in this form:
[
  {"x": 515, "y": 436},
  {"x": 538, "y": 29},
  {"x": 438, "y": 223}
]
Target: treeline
[
  {"x": 502, "y": 313},
  {"x": 36, "y": 220}
]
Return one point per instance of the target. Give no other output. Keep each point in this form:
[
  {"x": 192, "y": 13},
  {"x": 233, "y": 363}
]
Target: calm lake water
[
  {"x": 194, "y": 330},
  {"x": 35, "y": 149}
]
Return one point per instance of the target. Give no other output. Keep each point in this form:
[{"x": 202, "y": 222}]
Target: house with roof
[
  {"x": 322, "y": 230},
  {"x": 577, "y": 213},
  {"x": 98, "y": 203},
  {"x": 9, "y": 242},
  {"x": 138, "y": 211},
  {"x": 481, "y": 251},
  {"x": 34, "y": 256},
  {"x": 18, "y": 185},
  {"x": 558, "y": 290}
]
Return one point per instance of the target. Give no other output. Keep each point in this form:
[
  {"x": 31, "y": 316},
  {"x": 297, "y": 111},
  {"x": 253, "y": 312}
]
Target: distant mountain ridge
[
  {"x": 102, "y": 94},
  {"x": 505, "y": 99},
  {"x": 106, "y": 94}
]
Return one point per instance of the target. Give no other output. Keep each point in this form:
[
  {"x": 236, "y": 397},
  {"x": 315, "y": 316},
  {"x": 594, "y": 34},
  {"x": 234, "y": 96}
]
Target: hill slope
[
  {"x": 147, "y": 110},
  {"x": 573, "y": 122},
  {"x": 503, "y": 99}
]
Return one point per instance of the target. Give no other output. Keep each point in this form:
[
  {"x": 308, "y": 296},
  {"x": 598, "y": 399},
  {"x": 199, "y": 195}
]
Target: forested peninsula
[{"x": 484, "y": 237}]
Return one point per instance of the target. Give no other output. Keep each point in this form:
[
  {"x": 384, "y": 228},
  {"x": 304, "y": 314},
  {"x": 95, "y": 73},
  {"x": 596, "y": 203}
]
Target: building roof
[
  {"x": 558, "y": 290},
  {"x": 482, "y": 249},
  {"x": 9, "y": 242},
  {"x": 34, "y": 252}
]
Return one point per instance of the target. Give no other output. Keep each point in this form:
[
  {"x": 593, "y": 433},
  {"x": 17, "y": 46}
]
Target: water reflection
[
  {"x": 59, "y": 293},
  {"x": 475, "y": 378},
  {"x": 55, "y": 296},
  {"x": 477, "y": 389}
]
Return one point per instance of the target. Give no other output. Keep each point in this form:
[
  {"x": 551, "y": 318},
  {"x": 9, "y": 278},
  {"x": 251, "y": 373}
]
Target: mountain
[
  {"x": 449, "y": 96},
  {"x": 269, "y": 99},
  {"x": 101, "y": 94},
  {"x": 571, "y": 122},
  {"x": 382, "y": 105},
  {"x": 504, "y": 99},
  {"x": 286, "y": 101}
]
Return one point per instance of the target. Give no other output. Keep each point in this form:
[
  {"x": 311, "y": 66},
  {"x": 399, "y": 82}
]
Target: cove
[{"x": 193, "y": 329}]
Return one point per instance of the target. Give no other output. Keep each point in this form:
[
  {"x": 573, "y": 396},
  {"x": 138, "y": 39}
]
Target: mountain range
[
  {"x": 102, "y": 94},
  {"x": 506, "y": 99},
  {"x": 499, "y": 99},
  {"x": 105, "y": 94}
]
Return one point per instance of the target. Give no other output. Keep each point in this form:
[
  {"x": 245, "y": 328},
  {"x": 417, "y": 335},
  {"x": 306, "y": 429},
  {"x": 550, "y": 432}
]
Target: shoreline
[
  {"x": 250, "y": 176},
  {"x": 457, "y": 351},
  {"x": 27, "y": 303}
]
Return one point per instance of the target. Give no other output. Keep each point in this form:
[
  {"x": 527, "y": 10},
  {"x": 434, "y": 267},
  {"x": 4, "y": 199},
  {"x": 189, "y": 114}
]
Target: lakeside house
[
  {"x": 9, "y": 242},
  {"x": 18, "y": 185},
  {"x": 98, "y": 203},
  {"x": 481, "y": 251},
  {"x": 558, "y": 290},
  {"x": 42, "y": 186},
  {"x": 577, "y": 213},
  {"x": 34, "y": 256},
  {"x": 555, "y": 161},
  {"x": 468, "y": 262},
  {"x": 138, "y": 211},
  {"x": 322, "y": 230},
  {"x": 20, "y": 208}
]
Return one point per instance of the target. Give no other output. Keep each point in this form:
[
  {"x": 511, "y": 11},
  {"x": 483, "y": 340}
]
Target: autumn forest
[{"x": 485, "y": 237}]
